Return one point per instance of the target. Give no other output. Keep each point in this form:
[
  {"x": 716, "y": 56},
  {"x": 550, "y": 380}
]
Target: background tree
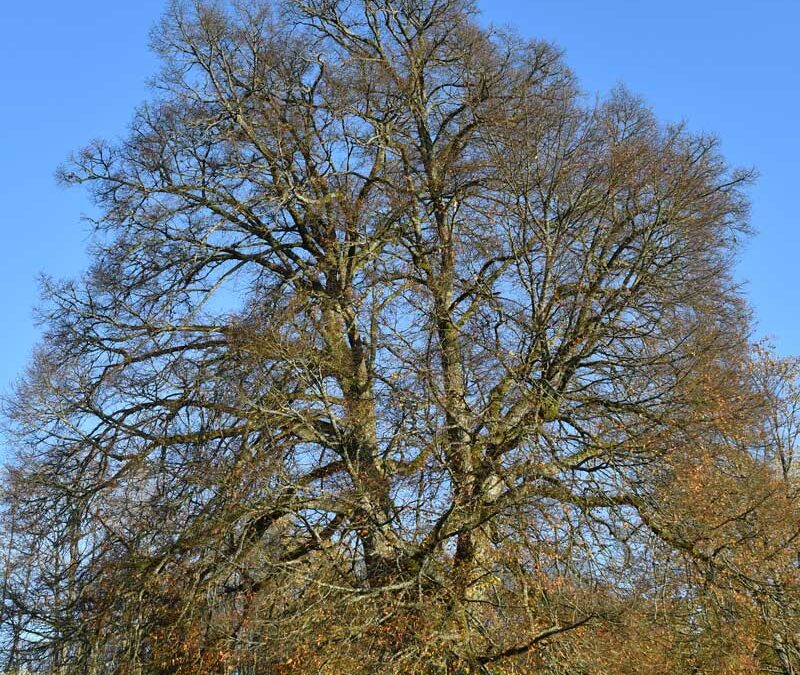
[{"x": 395, "y": 355}]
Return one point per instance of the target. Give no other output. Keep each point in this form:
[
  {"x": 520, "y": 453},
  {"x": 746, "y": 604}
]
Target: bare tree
[{"x": 395, "y": 355}]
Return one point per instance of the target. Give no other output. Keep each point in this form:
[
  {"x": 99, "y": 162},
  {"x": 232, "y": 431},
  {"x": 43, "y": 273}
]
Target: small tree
[{"x": 393, "y": 351}]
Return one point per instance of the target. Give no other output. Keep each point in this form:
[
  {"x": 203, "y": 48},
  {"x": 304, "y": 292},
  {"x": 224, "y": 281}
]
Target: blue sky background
[{"x": 73, "y": 71}]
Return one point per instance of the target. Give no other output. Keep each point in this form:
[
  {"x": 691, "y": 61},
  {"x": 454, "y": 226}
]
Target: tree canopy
[{"x": 398, "y": 355}]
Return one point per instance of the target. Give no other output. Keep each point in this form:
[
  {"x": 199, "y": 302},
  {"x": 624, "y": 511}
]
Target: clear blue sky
[{"x": 72, "y": 71}]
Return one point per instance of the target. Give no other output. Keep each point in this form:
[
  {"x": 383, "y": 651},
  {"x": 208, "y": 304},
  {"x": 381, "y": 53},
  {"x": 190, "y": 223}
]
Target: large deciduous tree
[{"x": 397, "y": 355}]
